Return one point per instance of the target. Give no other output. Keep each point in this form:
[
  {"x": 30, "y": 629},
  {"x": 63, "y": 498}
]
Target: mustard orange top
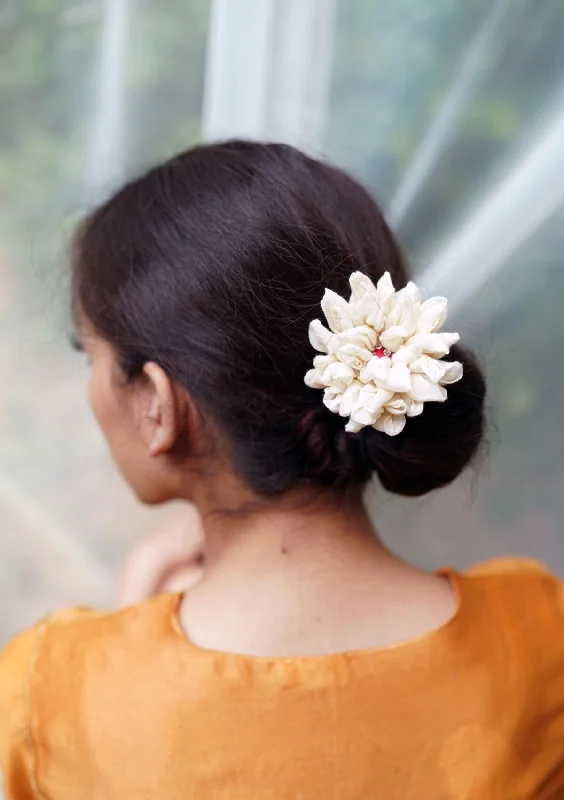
[{"x": 122, "y": 707}]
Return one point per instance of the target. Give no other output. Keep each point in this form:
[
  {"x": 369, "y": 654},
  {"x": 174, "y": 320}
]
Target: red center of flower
[{"x": 380, "y": 352}]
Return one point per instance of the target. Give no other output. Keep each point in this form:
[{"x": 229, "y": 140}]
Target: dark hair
[{"x": 213, "y": 264}]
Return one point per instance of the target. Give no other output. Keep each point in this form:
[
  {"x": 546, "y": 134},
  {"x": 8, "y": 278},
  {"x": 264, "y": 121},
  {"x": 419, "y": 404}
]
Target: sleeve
[{"x": 16, "y": 756}]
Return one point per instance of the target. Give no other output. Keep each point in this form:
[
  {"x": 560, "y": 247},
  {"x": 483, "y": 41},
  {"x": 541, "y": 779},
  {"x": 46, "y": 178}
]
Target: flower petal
[
  {"x": 435, "y": 344},
  {"x": 337, "y": 311},
  {"x": 376, "y": 370},
  {"x": 377, "y": 400},
  {"x": 424, "y": 391},
  {"x": 396, "y": 406},
  {"x": 432, "y": 315},
  {"x": 393, "y": 338},
  {"x": 355, "y": 357},
  {"x": 430, "y": 367},
  {"x": 453, "y": 372},
  {"x": 314, "y": 379},
  {"x": 399, "y": 379},
  {"x": 408, "y": 315},
  {"x": 406, "y": 308},
  {"x": 315, "y": 376},
  {"x": 349, "y": 398},
  {"x": 369, "y": 312},
  {"x": 339, "y": 375},
  {"x": 322, "y": 362},
  {"x": 385, "y": 293},
  {"x": 332, "y": 399},
  {"x": 361, "y": 336},
  {"x": 353, "y": 427},
  {"x": 414, "y": 407},
  {"x": 319, "y": 336},
  {"x": 361, "y": 285},
  {"x": 449, "y": 339},
  {"x": 407, "y": 352},
  {"x": 390, "y": 424},
  {"x": 411, "y": 291},
  {"x": 393, "y": 314},
  {"x": 364, "y": 416}
]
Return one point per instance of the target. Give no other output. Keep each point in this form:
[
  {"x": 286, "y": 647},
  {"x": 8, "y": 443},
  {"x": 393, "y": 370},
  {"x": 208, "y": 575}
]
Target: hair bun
[
  {"x": 431, "y": 451},
  {"x": 332, "y": 456}
]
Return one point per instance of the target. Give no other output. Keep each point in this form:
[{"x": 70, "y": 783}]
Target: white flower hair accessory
[{"x": 382, "y": 355}]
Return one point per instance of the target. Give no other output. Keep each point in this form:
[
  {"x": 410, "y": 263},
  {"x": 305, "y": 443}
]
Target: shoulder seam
[{"x": 499, "y": 567}]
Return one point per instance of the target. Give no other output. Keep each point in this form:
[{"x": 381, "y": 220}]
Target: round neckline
[{"x": 434, "y": 633}]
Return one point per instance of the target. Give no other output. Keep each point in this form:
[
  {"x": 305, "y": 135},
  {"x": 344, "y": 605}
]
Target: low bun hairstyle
[{"x": 212, "y": 265}]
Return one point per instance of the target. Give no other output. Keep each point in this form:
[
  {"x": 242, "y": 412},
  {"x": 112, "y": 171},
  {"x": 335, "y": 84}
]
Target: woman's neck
[
  {"x": 295, "y": 528},
  {"x": 303, "y": 575}
]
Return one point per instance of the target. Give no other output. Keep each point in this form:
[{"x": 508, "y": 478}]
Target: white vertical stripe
[{"x": 269, "y": 70}]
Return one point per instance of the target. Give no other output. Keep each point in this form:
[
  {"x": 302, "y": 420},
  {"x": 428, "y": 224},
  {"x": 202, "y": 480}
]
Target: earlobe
[{"x": 160, "y": 442}]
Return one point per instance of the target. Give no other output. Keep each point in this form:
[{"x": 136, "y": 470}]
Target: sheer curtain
[
  {"x": 452, "y": 114},
  {"x": 90, "y": 91}
]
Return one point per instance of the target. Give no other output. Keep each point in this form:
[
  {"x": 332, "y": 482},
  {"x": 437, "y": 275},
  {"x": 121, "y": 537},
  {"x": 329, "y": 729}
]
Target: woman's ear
[{"x": 161, "y": 426}]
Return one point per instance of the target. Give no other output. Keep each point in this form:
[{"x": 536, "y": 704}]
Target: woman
[{"x": 306, "y": 661}]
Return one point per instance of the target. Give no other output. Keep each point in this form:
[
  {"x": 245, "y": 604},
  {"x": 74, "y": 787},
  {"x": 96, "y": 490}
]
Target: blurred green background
[{"x": 433, "y": 106}]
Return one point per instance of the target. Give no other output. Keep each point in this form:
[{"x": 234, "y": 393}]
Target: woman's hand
[{"x": 170, "y": 560}]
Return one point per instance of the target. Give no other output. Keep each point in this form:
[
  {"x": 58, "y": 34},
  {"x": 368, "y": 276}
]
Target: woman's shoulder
[
  {"x": 524, "y": 576},
  {"x": 45, "y": 670},
  {"x": 69, "y": 637},
  {"x": 520, "y": 593},
  {"x": 83, "y": 623},
  {"x": 520, "y": 575},
  {"x": 81, "y": 626}
]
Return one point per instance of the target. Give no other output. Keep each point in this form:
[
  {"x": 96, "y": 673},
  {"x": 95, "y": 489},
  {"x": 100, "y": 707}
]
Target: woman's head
[{"x": 196, "y": 284}]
